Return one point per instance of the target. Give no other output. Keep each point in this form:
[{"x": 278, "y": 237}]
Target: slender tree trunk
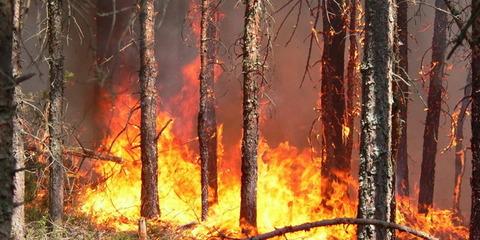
[
  {"x": 7, "y": 113},
  {"x": 376, "y": 173},
  {"x": 251, "y": 69},
  {"x": 18, "y": 226},
  {"x": 400, "y": 105},
  {"x": 207, "y": 122},
  {"x": 475, "y": 141},
  {"x": 335, "y": 165},
  {"x": 430, "y": 135},
  {"x": 352, "y": 80},
  {"x": 148, "y": 77},
  {"x": 55, "y": 113},
  {"x": 459, "y": 147}
]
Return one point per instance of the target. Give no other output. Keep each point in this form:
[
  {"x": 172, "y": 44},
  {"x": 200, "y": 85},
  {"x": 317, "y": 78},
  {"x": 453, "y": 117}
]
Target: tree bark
[
  {"x": 376, "y": 173},
  {"x": 400, "y": 105},
  {"x": 55, "y": 112},
  {"x": 335, "y": 165},
  {"x": 352, "y": 80},
  {"x": 7, "y": 113},
  {"x": 207, "y": 122},
  {"x": 430, "y": 136},
  {"x": 251, "y": 77},
  {"x": 475, "y": 141},
  {"x": 148, "y": 76},
  {"x": 459, "y": 147},
  {"x": 18, "y": 226}
]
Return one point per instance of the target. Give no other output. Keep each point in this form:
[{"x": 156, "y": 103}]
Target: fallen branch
[
  {"x": 80, "y": 152},
  {"x": 88, "y": 153},
  {"x": 340, "y": 221}
]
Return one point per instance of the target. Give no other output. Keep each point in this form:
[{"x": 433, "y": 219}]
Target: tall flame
[{"x": 288, "y": 185}]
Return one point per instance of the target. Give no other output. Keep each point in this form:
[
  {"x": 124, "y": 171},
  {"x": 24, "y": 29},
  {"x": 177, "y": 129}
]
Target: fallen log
[
  {"x": 81, "y": 153},
  {"x": 340, "y": 221}
]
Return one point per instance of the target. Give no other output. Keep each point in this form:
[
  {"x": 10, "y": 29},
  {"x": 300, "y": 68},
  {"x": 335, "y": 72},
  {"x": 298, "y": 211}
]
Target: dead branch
[
  {"x": 23, "y": 78},
  {"x": 340, "y": 221},
  {"x": 80, "y": 152}
]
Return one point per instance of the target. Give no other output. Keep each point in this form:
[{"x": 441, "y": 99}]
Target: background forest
[{"x": 108, "y": 65}]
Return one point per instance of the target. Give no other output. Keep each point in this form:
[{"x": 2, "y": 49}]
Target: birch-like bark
[
  {"x": 18, "y": 226},
  {"x": 148, "y": 76},
  {"x": 376, "y": 173}
]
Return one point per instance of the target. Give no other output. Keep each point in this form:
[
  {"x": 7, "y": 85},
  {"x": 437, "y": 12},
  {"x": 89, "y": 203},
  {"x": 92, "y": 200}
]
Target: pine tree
[{"x": 376, "y": 173}]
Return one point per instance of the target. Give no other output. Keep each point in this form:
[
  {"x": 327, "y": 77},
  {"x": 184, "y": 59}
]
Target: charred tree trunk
[
  {"x": 251, "y": 70},
  {"x": 148, "y": 76},
  {"x": 459, "y": 147},
  {"x": 7, "y": 113},
  {"x": 430, "y": 135},
  {"x": 18, "y": 226},
  {"x": 400, "y": 102},
  {"x": 207, "y": 121},
  {"x": 475, "y": 142},
  {"x": 352, "y": 80},
  {"x": 55, "y": 112},
  {"x": 335, "y": 165},
  {"x": 376, "y": 173}
]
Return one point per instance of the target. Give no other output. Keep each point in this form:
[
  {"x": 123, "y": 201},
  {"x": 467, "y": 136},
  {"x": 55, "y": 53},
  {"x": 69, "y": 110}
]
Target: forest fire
[
  {"x": 167, "y": 142},
  {"x": 288, "y": 191}
]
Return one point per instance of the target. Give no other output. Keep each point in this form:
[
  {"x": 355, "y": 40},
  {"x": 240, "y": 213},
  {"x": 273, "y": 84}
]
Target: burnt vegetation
[{"x": 253, "y": 119}]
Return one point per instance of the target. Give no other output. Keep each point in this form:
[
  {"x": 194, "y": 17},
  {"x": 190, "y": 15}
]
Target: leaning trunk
[
  {"x": 376, "y": 173},
  {"x": 475, "y": 142},
  {"x": 18, "y": 226},
  {"x": 7, "y": 113},
  {"x": 430, "y": 135},
  {"x": 207, "y": 122},
  {"x": 401, "y": 98},
  {"x": 335, "y": 166},
  {"x": 459, "y": 148},
  {"x": 148, "y": 75},
  {"x": 251, "y": 70},
  {"x": 55, "y": 113}
]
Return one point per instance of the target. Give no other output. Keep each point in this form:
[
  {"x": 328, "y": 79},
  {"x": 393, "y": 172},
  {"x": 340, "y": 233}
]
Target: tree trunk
[
  {"x": 7, "y": 113},
  {"x": 430, "y": 135},
  {"x": 148, "y": 76},
  {"x": 459, "y": 147},
  {"x": 475, "y": 141},
  {"x": 400, "y": 105},
  {"x": 251, "y": 70},
  {"x": 335, "y": 165},
  {"x": 55, "y": 113},
  {"x": 352, "y": 80},
  {"x": 18, "y": 226},
  {"x": 207, "y": 122},
  {"x": 376, "y": 173}
]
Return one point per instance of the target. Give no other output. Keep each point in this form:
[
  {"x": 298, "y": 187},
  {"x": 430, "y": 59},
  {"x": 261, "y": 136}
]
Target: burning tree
[
  {"x": 376, "y": 194},
  {"x": 439, "y": 46},
  {"x": 400, "y": 101},
  {"x": 207, "y": 122},
  {"x": 55, "y": 111},
  {"x": 333, "y": 96},
  {"x": 148, "y": 77},
  {"x": 475, "y": 142},
  {"x": 252, "y": 76}
]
